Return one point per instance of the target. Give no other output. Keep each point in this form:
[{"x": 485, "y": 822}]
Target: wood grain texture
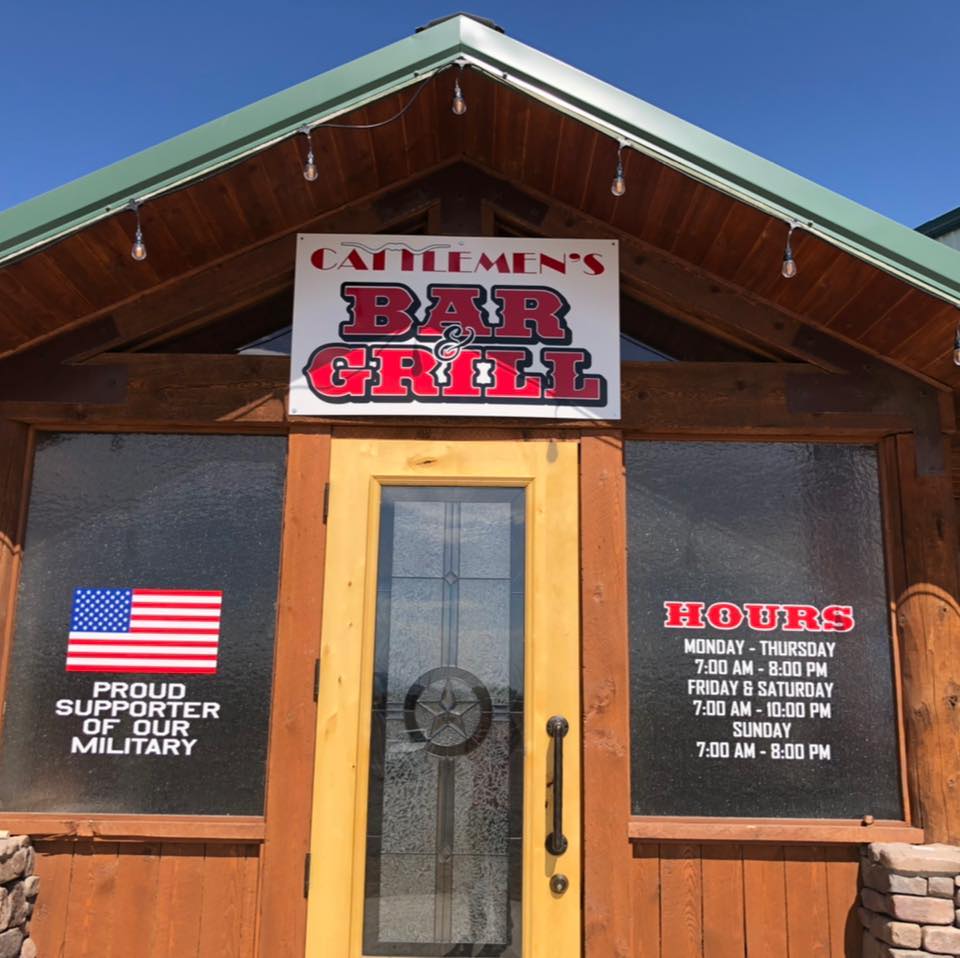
[
  {"x": 138, "y": 867},
  {"x": 744, "y": 901},
  {"x": 843, "y": 873},
  {"x": 807, "y": 907},
  {"x": 645, "y": 895},
  {"x": 764, "y": 900},
  {"x": 606, "y": 698},
  {"x": 928, "y": 617},
  {"x": 722, "y": 876},
  {"x": 681, "y": 908},
  {"x": 49, "y": 923},
  {"x": 138, "y": 828},
  {"x": 14, "y": 465},
  {"x": 659, "y": 399},
  {"x": 293, "y": 720},
  {"x": 102, "y": 900},
  {"x": 769, "y": 830}
]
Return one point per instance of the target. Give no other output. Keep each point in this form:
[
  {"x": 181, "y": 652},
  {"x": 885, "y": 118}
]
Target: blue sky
[{"x": 863, "y": 97}]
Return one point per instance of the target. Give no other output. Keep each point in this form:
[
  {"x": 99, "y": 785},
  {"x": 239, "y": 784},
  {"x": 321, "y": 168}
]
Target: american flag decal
[{"x": 144, "y": 630}]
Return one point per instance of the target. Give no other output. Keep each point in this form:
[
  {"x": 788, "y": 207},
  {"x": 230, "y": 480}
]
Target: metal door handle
[{"x": 557, "y": 728}]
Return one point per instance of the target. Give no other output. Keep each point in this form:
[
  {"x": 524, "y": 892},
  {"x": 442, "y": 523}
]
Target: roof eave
[
  {"x": 864, "y": 233},
  {"x": 222, "y": 142},
  {"x": 747, "y": 177}
]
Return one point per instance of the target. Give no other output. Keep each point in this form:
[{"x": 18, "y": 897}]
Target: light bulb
[
  {"x": 139, "y": 249},
  {"x": 789, "y": 268},
  {"x": 459, "y": 106},
  {"x": 310, "y": 172},
  {"x": 619, "y": 185}
]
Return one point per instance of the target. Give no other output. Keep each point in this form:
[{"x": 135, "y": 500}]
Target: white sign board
[{"x": 455, "y": 326}]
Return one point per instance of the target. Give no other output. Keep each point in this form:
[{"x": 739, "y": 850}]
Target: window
[
  {"x": 761, "y": 662},
  {"x": 142, "y": 659}
]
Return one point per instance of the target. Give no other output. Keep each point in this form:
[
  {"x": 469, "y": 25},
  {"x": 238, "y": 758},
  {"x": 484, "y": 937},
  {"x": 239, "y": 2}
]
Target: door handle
[{"x": 557, "y": 728}]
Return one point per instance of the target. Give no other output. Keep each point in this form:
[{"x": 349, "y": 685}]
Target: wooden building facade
[{"x": 784, "y": 443}]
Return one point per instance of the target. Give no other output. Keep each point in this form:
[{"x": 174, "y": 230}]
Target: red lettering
[
  {"x": 462, "y": 376},
  {"x": 353, "y": 260},
  {"x": 520, "y": 262},
  {"x": 509, "y": 380},
  {"x": 338, "y": 372},
  {"x": 762, "y": 617},
  {"x": 548, "y": 262},
  {"x": 838, "y": 618},
  {"x": 567, "y": 380},
  {"x": 500, "y": 264},
  {"x": 725, "y": 615},
  {"x": 684, "y": 615},
  {"x": 317, "y": 259},
  {"x": 405, "y": 373},
  {"x": 459, "y": 305},
  {"x": 531, "y": 313},
  {"x": 592, "y": 262},
  {"x": 377, "y": 310},
  {"x": 801, "y": 618}
]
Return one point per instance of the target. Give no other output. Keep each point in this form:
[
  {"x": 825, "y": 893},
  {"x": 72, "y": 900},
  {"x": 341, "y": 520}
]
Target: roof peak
[{"x": 483, "y": 21}]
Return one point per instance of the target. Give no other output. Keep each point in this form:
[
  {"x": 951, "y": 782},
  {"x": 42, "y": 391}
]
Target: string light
[
  {"x": 789, "y": 268},
  {"x": 619, "y": 185},
  {"x": 139, "y": 249},
  {"x": 459, "y": 105},
  {"x": 310, "y": 171}
]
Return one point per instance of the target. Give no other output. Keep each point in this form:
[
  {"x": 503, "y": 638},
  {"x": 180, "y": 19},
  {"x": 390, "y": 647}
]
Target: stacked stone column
[
  {"x": 18, "y": 891},
  {"x": 910, "y": 900}
]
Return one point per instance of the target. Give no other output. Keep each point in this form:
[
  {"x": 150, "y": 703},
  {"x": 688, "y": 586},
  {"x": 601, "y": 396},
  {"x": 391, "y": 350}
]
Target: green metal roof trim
[{"x": 888, "y": 245}]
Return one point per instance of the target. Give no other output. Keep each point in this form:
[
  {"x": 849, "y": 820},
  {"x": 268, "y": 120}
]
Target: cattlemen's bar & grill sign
[{"x": 455, "y": 326}]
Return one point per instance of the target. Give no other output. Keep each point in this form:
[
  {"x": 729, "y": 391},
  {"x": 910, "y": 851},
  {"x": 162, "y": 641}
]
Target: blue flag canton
[{"x": 101, "y": 610}]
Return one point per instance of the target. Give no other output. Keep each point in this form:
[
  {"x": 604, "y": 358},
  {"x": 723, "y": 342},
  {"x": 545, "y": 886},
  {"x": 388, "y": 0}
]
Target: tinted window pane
[
  {"x": 156, "y": 557},
  {"x": 789, "y": 713}
]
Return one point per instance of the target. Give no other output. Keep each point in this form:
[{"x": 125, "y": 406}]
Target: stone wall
[
  {"x": 18, "y": 891},
  {"x": 910, "y": 900}
]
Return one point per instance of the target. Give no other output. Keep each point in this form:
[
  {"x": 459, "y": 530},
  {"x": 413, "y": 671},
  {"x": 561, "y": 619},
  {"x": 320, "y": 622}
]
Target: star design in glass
[{"x": 446, "y": 712}]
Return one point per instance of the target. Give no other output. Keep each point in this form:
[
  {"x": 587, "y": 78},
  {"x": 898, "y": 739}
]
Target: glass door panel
[
  {"x": 450, "y": 637},
  {"x": 445, "y": 793}
]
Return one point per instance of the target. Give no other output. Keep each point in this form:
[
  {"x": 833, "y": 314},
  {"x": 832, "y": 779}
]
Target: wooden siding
[
  {"x": 165, "y": 900},
  {"x": 734, "y": 901}
]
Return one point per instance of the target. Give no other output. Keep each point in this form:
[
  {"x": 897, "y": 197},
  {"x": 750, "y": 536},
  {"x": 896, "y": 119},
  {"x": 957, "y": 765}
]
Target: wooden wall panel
[
  {"x": 606, "y": 690},
  {"x": 764, "y": 899},
  {"x": 928, "y": 618},
  {"x": 153, "y": 901},
  {"x": 723, "y": 900},
  {"x": 722, "y": 871},
  {"x": 294, "y": 717},
  {"x": 14, "y": 464}
]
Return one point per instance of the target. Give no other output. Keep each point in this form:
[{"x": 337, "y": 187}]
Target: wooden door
[{"x": 450, "y": 640}]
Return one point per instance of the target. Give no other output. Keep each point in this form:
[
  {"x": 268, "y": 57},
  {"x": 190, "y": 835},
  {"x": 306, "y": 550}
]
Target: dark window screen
[
  {"x": 787, "y": 714},
  {"x": 170, "y": 712}
]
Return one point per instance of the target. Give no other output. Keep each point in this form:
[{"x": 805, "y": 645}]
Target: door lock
[{"x": 559, "y": 884}]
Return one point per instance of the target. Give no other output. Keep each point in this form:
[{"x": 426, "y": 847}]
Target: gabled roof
[
  {"x": 855, "y": 229},
  {"x": 942, "y": 224}
]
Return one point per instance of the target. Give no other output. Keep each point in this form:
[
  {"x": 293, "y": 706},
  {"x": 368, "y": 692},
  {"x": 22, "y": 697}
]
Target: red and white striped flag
[{"x": 144, "y": 630}]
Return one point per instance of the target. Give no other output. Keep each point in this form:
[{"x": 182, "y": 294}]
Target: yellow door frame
[{"x": 547, "y": 469}]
